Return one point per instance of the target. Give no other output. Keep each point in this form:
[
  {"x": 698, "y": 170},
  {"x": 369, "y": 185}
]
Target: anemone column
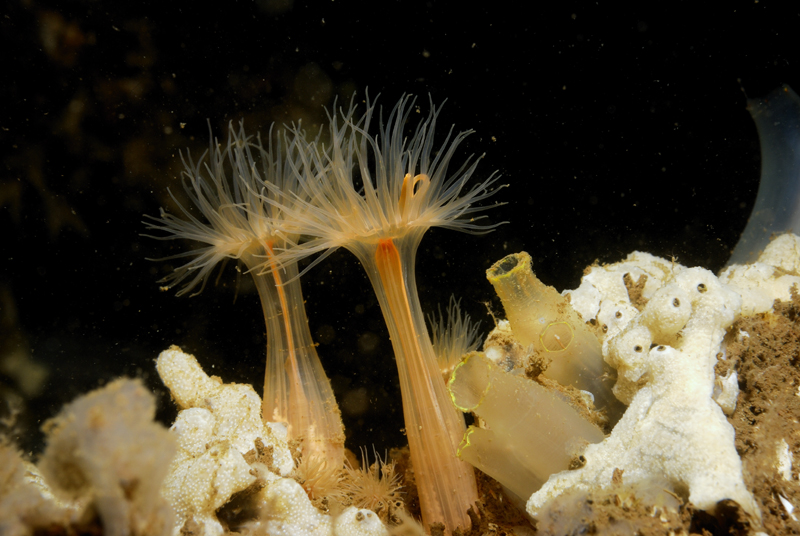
[
  {"x": 434, "y": 428},
  {"x": 296, "y": 389}
]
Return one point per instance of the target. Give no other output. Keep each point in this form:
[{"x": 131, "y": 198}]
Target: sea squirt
[
  {"x": 777, "y": 207},
  {"x": 529, "y": 432},
  {"x": 544, "y": 320}
]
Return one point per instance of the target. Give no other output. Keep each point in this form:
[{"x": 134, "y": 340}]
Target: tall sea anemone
[
  {"x": 227, "y": 187},
  {"x": 376, "y": 196}
]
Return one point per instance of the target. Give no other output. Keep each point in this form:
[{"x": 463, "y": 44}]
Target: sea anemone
[
  {"x": 226, "y": 185},
  {"x": 376, "y": 196},
  {"x": 375, "y": 487},
  {"x": 453, "y": 337}
]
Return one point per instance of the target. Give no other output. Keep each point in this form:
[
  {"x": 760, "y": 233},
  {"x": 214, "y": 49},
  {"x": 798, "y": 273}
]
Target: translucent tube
[
  {"x": 540, "y": 317},
  {"x": 530, "y": 432},
  {"x": 777, "y": 207}
]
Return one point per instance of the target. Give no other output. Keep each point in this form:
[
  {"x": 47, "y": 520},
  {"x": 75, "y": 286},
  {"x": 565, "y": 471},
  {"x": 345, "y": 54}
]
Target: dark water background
[{"x": 616, "y": 130}]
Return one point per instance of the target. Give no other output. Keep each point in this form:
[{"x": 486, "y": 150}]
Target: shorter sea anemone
[
  {"x": 319, "y": 480},
  {"x": 453, "y": 337},
  {"x": 375, "y": 487},
  {"x": 229, "y": 218}
]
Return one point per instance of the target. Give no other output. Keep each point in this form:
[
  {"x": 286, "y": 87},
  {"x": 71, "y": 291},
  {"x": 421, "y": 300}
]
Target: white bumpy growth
[
  {"x": 675, "y": 426},
  {"x": 221, "y": 439},
  {"x": 673, "y": 429}
]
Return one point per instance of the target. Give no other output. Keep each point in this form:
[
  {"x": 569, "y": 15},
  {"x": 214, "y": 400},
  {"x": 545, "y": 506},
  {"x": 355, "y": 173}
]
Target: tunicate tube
[
  {"x": 777, "y": 207},
  {"x": 531, "y": 432},
  {"x": 542, "y": 318}
]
